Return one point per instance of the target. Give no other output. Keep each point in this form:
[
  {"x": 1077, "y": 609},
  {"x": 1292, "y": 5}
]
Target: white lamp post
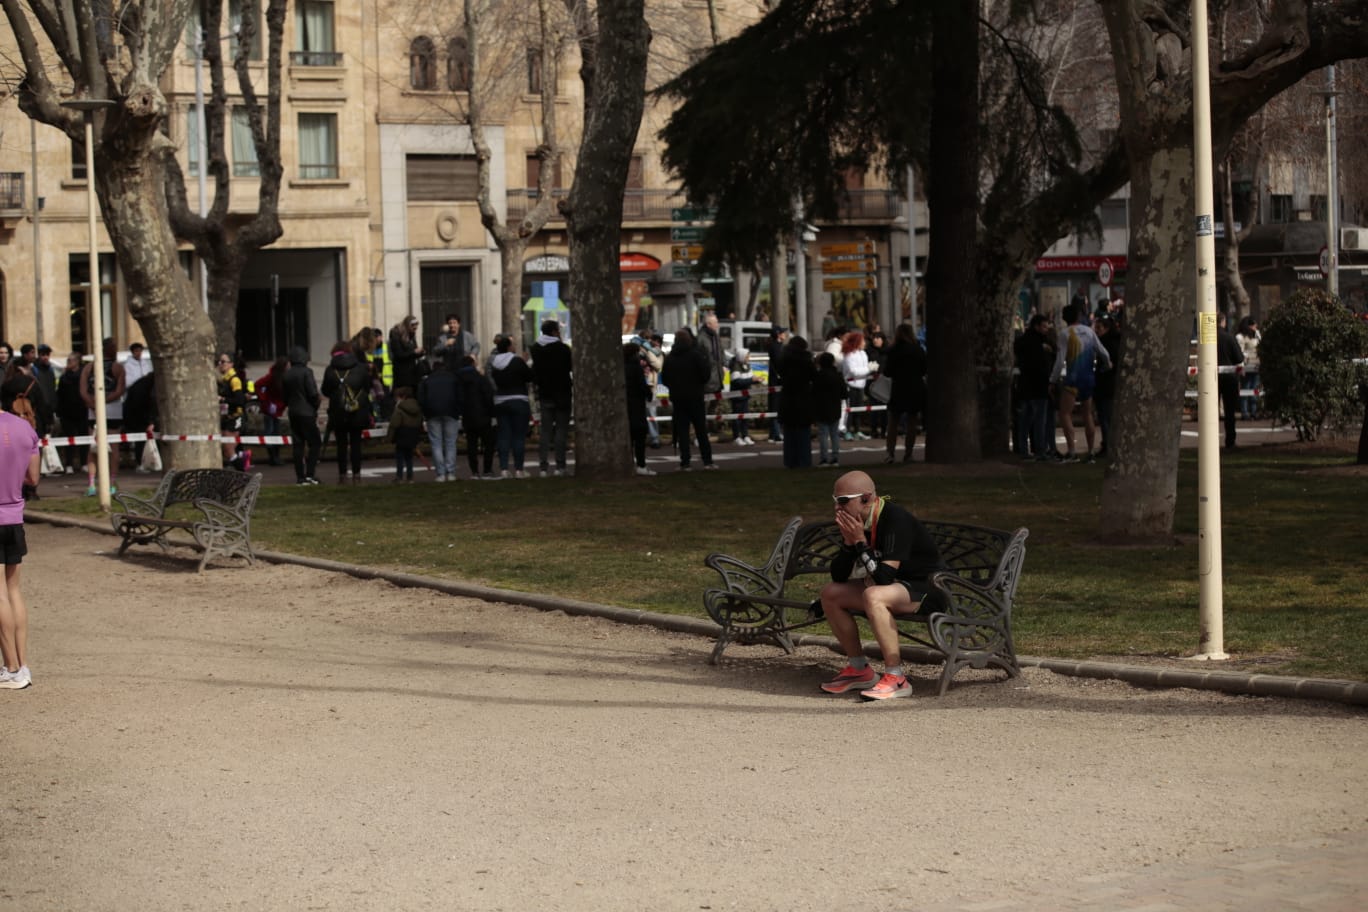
[
  {"x": 1211, "y": 613},
  {"x": 88, "y": 107}
]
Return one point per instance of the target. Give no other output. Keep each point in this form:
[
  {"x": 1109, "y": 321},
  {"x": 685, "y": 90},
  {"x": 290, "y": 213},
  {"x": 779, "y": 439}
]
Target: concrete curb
[{"x": 1354, "y": 693}]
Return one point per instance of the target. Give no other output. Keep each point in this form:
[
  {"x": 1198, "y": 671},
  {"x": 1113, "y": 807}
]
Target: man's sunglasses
[{"x": 843, "y": 499}]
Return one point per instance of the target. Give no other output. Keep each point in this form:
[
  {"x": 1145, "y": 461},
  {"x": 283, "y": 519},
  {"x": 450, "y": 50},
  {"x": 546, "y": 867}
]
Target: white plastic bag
[
  {"x": 51, "y": 463},
  {"x": 151, "y": 458}
]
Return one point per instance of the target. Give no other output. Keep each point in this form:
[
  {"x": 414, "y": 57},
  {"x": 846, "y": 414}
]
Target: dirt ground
[{"x": 285, "y": 738}]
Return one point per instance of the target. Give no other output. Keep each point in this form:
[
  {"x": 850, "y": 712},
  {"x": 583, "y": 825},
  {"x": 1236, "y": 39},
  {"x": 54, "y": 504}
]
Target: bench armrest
[
  {"x": 219, "y": 513},
  {"x": 740, "y": 577},
  {"x": 965, "y": 599}
]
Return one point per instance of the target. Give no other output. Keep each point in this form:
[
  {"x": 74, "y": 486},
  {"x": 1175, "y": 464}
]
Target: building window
[
  {"x": 192, "y": 146},
  {"x": 534, "y": 71},
  {"x": 245, "y": 162},
  {"x": 458, "y": 65},
  {"x": 1279, "y": 208},
  {"x": 444, "y": 178},
  {"x": 534, "y": 164},
  {"x": 422, "y": 64},
  {"x": 1319, "y": 211},
  {"x": 78, "y": 278},
  {"x": 317, "y": 146},
  {"x": 1112, "y": 213},
  {"x": 78, "y": 162},
  {"x": 314, "y": 44}
]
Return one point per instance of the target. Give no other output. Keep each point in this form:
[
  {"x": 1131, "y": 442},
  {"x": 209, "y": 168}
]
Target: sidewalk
[{"x": 283, "y": 738}]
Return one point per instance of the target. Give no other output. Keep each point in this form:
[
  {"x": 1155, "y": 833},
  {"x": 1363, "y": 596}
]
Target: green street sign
[
  {"x": 680, "y": 270},
  {"x": 693, "y": 214},
  {"x": 686, "y": 234}
]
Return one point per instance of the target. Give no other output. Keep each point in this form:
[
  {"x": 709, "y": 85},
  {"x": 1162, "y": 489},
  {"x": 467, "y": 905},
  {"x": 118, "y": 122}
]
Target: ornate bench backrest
[
  {"x": 225, "y": 486},
  {"x": 972, "y": 552},
  {"x": 817, "y": 544}
]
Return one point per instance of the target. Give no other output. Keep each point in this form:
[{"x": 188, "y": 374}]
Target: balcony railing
[
  {"x": 11, "y": 189},
  {"x": 316, "y": 58},
  {"x": 655, "y": 205}
]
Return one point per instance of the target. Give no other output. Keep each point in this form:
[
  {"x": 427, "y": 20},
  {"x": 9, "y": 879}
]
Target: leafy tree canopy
[
  {"x": 820, "y": 87},
  {"x": 789, "y": 105}
]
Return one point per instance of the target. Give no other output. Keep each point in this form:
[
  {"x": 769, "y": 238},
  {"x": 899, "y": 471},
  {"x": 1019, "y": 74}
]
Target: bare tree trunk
[
  {"x": 615, "y": 98},
  {"x": 1239, "y": 295},
  {"x": 131, "y": 188},
  {"x": 952, "y": 425},
  {"x": 1139, "y": 492}
]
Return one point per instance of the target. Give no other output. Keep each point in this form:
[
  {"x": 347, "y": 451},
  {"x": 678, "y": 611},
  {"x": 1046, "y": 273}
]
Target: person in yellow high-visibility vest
[{"x": 381, "y": 358}]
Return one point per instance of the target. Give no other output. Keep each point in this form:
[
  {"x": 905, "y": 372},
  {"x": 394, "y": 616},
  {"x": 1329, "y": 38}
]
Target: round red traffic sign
[
  {"x": 1325, "y": 261},
  {"x": 1104, "y": 273}
]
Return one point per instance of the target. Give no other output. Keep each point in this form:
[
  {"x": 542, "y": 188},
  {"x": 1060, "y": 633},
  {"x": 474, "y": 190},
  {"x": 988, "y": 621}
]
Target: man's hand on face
[{"x": 852, "y": 530}]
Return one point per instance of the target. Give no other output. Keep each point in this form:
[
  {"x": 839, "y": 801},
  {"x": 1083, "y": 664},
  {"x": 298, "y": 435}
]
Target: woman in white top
[
  {"x": 855, "y": 369},
  {"x": 1248, "y": 336}
]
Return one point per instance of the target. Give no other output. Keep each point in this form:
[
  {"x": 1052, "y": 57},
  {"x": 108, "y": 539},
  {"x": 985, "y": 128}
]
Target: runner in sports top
[{"x": 881, "y": 572}]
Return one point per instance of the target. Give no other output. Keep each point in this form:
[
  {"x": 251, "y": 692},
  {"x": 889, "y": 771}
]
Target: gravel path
[{"x": 286, "y": 738}]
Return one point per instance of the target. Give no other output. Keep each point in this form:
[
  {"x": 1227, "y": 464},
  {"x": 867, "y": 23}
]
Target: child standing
[
  {"x": 829, "y": 393},
  {"x": 405, "y": 430}
]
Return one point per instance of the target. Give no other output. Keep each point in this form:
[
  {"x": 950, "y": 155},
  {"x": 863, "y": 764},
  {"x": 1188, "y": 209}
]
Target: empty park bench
[
  {"x": 213, "y": 505},
  {"x": 966, "y": 617}
]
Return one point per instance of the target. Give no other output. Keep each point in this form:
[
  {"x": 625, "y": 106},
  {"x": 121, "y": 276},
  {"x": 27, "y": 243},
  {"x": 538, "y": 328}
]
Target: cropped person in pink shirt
[{"x": 18, "y": 466}]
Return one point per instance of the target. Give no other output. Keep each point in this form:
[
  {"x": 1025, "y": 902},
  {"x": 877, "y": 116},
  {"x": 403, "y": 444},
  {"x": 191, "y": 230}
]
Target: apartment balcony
[
  {"x": 12, "y": 191},
  {"x": 856, "y": 206}
]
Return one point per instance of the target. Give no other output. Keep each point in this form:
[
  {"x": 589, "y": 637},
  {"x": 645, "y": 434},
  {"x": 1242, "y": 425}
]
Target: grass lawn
[{"x": 1295, "y": 546}]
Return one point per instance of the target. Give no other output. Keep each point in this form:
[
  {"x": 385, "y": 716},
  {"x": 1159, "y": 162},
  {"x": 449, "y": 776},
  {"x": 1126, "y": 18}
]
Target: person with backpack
[
  {"x": 16, "y": 392},
  {"x": 347, "y": 386}
]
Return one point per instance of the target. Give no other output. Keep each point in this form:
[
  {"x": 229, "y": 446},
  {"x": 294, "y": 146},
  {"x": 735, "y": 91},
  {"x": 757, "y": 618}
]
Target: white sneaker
[
  {"x": 519, "y": 474},
  {"x": 504, "y": 473},
  {"x": 642, "y": 470},
  {"x": 15, "y": 680}
]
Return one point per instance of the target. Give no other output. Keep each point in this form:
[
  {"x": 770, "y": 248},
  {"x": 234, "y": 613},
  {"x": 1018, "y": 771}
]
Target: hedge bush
[{"x": 1306, "y": 368}]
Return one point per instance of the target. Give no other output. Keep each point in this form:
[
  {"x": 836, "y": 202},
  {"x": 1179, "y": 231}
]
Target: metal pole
[
  {"x": 800, "y": 290},
  {"x": 912, "y": 242},
  {"x": 202, "y": 151},
  {"x": 96, "y": 323},
  {"x": 1211, "y": 644},
  {"x": 1332, "y": 187},
  {"x": 37, "y": 245}
]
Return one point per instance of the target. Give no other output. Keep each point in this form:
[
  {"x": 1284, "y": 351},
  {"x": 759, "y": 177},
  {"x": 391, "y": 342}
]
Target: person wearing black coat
[
  {"x": 1035, "y": 357},
  {"x": 405, "y": 352},
  {"x": 347, "y": 386},
  {"x": 638, "y": 394},
  {"x": 774, "y": 351},
  {"x": 795, "y": 408},
  {"x": 905, "y": 363},
  {"x": 301, "y": 404},
  {"x": 439, "y": 396},
  {"x": 71, "y": 412},
  {"x": 553, "y": 369},
  {"x": 686, "y": 373},
  {"x": 477, "y": 413}
]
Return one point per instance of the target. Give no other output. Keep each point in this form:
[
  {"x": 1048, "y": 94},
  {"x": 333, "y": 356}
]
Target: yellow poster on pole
[{"x": 1206, "y": 323}]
